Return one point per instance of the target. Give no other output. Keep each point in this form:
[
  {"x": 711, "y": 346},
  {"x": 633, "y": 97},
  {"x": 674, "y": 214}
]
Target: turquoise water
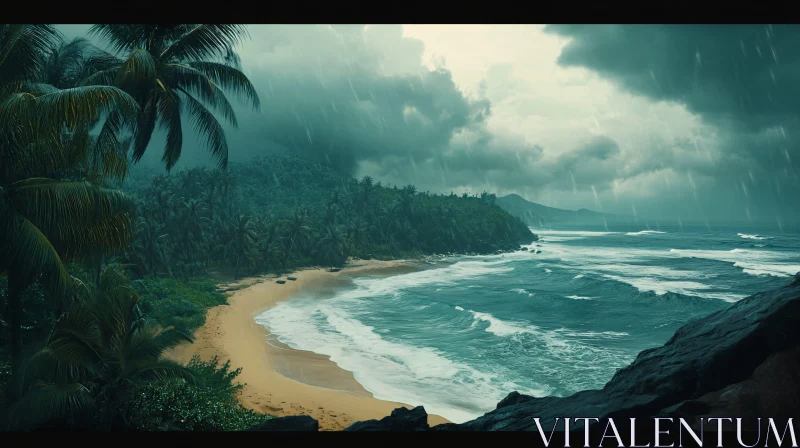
[{"x": 463, "y": 333}]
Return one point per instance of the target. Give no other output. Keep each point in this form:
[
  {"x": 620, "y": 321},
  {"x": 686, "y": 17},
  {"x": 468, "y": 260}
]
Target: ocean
[{"x": 459, "y": 335}]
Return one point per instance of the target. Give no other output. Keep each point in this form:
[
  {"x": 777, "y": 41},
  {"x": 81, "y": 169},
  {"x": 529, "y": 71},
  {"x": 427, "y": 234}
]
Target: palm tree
[
  {"x": 298, "y": 232},
  {"x": 355, "y": 230},
  {"x": 95, "y": 353},
  {"x": 366, "y": 184},
  {"x": 333, "y": 247},
  {"x": 69, "y": 63},
  {"x": 268, "y": 228},
  {"x": 48, "y": 214},
  {"x": 171, "y": 67},
  {"x": 244, "y": 240}
]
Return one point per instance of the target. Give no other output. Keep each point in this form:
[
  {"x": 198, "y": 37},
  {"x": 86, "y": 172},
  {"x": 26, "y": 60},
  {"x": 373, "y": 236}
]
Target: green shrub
[
  {"x": 211, "y": 405},
  {"x": 217, "y": 380},
  {"x": 176, "y": 303}
]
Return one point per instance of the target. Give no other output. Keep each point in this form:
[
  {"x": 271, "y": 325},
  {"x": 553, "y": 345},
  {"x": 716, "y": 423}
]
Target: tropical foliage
[
  {"x": 281, "y": 212},
  {"x": 180, "y": 406},
  {"x": 53, "y": 206},
  {"x": 176, "y": 303},
  {"x": 68, "y": 114},
  {"x": 95, "y": 353}
]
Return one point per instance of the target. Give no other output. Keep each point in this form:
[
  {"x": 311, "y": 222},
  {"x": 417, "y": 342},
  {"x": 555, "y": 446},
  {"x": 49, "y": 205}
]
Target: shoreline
[{"x": 280, "y": 380}]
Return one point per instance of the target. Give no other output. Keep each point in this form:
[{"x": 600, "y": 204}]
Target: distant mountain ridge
[{"x": 534, "y": 214}]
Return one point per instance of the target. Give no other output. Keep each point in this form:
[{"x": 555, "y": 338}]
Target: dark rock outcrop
[
  {"x": 402, "y": 419},
  {"x": 293, "y": 423},
  {"x": 743, "y": 357},
  {"x": 772, "y": 391}
]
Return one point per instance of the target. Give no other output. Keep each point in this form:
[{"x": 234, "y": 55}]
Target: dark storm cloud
[
  {"x": 739, "y": 78},
  {"x": 359, "y": 115},
  {"x": 360, "y": 98},
  {"x": 744, "y": 73}
]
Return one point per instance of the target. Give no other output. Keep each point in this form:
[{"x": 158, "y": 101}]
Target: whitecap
[
  {"x": 661, "y": 287},
  {"x": 644, "y": 232},
  {"x": 500, "y": 327},
  {"x": 524, "y": 292},
  {"x": 752, "y": 237},
  {"x": 752, "y": 262}
]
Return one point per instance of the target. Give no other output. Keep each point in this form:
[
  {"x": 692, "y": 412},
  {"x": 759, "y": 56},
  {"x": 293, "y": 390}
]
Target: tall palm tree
[
  {"x": 96, "y": 351},
  {"x": 297, "y": 231},
  {"x": 333, "y": 246},
  {"x": 169, "y": 68},
  {"x": 243, "y": 241},
  {"x": 48, "y": 213}
]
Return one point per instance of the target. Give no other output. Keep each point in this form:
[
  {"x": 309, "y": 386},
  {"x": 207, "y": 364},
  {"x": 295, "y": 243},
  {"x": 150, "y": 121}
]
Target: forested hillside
[{"x": 284, "y": 211}]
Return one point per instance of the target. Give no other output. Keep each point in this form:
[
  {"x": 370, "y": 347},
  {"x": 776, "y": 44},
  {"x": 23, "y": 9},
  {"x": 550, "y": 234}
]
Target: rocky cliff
[{"x": 742, "y": 361}]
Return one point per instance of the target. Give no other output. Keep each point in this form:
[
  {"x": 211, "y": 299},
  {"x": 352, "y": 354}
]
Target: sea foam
[{"x": 389, "y": 369}]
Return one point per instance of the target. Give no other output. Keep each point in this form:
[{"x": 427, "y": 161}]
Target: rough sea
[{"x": 460, "y": 334}]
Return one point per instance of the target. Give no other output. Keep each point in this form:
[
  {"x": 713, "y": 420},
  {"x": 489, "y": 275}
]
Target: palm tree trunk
[
  {"x": 99, "y": 273},
  {"x": 291, "y": 246},
  {"x": 14, "y": 310},
  {"x": 236, "y": 274}
]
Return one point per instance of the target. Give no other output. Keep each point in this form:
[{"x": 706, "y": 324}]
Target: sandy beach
[{"x": 279, "y": 380}]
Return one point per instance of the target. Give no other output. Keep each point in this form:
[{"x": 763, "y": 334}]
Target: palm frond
[
  {"x": 229, "y": 78},
  {"x": 38, "y": 89},
  {"x": 64, "y": 63},
  {"x": 109, "y": 155},
  {"x": 76, "y": 338},
  {"x": 105, "y": 77},
  {"x": 105, "y": 237},
  {"x": 53, "y": 204},
  {"x": 48, "y": 402},
  {"x": 82, "y": 105},
  {"x": 169, "y": 112},
  {"x": 215, "y": 97},
  {"x": 206, "y": 124},
  {"x": 145, "y": 125},
  {"x": 27, "y": 253},
  {"x": 138, "y": 68},
  {"x": 164, "y": 370},
  {"x": 121, "y": 37},
  {"x": 29, "y": 151},
  {"x": 205, "y": 42},
  {"x": 22, "y": 50}
]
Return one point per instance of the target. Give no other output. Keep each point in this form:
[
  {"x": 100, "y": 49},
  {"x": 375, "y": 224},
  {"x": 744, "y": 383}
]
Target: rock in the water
[
  {"x": 514, "y": 398},
  {"x": 293, "y": 423},
  {"x": 706, "y": 361},
  {"x": 402, "y": 419}
]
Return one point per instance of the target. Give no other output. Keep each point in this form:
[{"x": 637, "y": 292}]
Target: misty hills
[{"x": 534, "y": 214}]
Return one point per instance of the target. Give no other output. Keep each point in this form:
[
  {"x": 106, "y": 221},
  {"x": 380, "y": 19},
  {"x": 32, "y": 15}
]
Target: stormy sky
[{"x": 690, "y": 123}]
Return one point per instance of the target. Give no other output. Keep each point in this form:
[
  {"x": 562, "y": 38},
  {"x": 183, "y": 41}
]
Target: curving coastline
[{"x": 279, "y": 380}]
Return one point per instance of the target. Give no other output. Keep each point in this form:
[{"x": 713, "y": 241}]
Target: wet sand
[{"x": 279, "y": 380}]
